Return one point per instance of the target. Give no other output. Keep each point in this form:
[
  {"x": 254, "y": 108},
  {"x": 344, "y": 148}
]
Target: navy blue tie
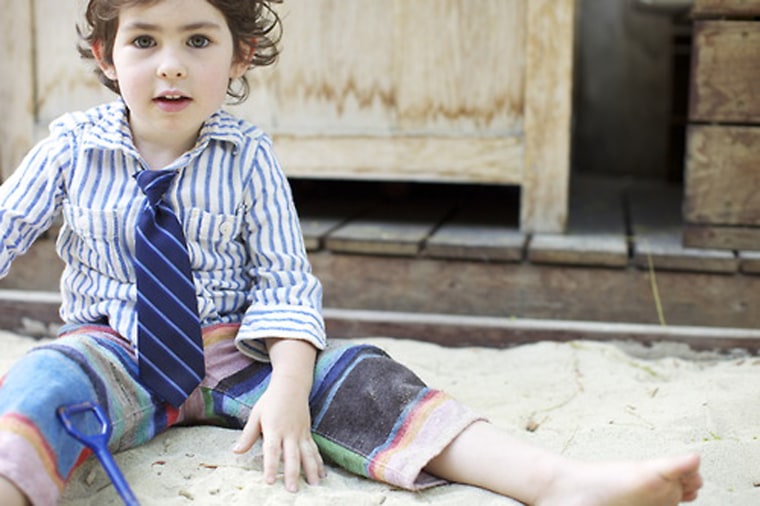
[{"x": 169, "y": 344}]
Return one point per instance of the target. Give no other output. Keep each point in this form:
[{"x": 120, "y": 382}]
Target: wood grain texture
[
  {"x": 722, "y": 183},
  {"x": 725, "y": 72},
  {"x": 548, "y": 112},
  {"x": 16, "y": 84}
]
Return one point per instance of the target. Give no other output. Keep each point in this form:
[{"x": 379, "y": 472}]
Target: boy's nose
[{"x": 171, "y": 68}]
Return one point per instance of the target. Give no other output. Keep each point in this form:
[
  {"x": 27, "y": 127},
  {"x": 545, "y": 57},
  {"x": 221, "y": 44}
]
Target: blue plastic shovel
[{"x": 98, "y": 443}]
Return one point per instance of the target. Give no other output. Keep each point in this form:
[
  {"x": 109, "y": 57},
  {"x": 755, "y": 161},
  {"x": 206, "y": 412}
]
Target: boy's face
[{"x": 173, "y": 60}]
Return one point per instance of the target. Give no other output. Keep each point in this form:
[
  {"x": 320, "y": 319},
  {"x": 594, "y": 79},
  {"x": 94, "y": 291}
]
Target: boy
[{"x": 267, "y": 366}]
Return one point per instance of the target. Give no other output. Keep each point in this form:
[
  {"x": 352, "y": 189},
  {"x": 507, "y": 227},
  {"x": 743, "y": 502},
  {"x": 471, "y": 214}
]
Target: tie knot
[{"x": 154, "y": 183}]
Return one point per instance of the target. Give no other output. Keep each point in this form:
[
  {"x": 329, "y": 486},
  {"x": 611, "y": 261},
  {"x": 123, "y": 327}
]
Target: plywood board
[
  {"x": 16, "y": 85},
  {"x": 548, "y": 114},
  {"x": 725, "y": 72}
]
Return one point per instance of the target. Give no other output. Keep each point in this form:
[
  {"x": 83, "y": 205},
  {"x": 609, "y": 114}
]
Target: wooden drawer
[
  {"x": 722, "y": 169},
  {"x": 726, "y": 8},
  {"x": 726, "y": 72},
  {"x": 723, "y": 164}
]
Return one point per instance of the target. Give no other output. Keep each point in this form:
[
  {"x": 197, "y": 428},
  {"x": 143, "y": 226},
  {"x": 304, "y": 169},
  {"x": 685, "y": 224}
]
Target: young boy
[{"x": 268, "y": 368}]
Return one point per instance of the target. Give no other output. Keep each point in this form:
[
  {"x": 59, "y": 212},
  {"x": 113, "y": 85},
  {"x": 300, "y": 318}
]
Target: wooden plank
[
  {"x": 17, "y": 84},
  {"x": 725, "y": 72},
  {"x": 657, "y": 235},
  {"x": 721, "y": 237},
  {"x": 548, "y": 114},
  {"x": 320, "y": 216},
  {"x": 494, "y": 332},
  {"x": 749, "y": 262},
  {"x": 393, "y": 228},
  {"x": 722, "y": 186},
  {"x": 444, "y": 159},
  {"x": 34, "y": 313},
  {"x": 725, "y": 8},
  {"x": 525, "y": 290},
  {"x": 480, "y": 231},
  {"x": 596, "y": 232}
]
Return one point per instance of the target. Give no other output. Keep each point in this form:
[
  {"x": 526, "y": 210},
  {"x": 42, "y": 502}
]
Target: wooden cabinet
[
  {"x": 460, "y": 91},
  {"x": 722, "y": 180}
]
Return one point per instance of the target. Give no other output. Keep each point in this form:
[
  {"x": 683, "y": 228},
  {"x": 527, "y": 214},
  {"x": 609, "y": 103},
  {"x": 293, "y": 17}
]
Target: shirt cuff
[{"x": 279, "y": 322}]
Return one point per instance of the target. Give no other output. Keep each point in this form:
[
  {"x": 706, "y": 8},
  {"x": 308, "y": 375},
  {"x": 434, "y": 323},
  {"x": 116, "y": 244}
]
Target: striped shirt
[{"x": 231, "y": 196}]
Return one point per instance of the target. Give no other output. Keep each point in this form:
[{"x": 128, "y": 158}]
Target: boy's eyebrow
[{"x": 149, "y": 27}]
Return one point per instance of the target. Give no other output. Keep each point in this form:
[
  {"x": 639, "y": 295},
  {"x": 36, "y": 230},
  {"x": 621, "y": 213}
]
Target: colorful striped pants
[{"x": 370, "y": 415}]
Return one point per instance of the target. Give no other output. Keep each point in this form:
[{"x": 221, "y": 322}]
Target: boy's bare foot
[{"x": 661, "y": 482}]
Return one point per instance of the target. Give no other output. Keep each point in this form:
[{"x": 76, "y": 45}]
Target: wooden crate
[
  {"x": 722, "y": 180},
  {"x": 461, "y": 91}
]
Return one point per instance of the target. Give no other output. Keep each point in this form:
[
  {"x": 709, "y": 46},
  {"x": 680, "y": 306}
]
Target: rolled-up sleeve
[{"x": 285, "y": 297}]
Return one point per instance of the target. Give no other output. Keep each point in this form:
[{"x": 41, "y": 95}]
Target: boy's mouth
[
  {"x": 171, "y": 98},
  {"x": 172, "y": 102}
]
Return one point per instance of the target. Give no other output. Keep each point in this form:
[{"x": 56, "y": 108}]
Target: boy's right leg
[
  {"x": 10, "y": 495},
  {"x": 37, "y": 455}
]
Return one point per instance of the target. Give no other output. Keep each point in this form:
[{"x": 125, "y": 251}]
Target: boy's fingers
[
  {"x": 311, "y": 460},
  {"x": 291, "y": 457},
  {"x": 251, "y": 433},
  {"x": 272, "y": 448}
]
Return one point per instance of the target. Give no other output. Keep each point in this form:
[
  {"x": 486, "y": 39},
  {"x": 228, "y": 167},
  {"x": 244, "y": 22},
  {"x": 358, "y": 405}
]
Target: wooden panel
[
  {"x": 726, "y": 73},
  {"x": 728, "y": 8},
  {"x": 528, "y": 291},
  {"x": 496, "y": 160},
  {"x": 596, "y": 233},
  {"x": 16, "y": 86},
  {"x": 548, "y": 112},
  {"x": 444, "y": 48},
  {"x": 657, "y": 235},
  {"x": 722, "y": 176}
]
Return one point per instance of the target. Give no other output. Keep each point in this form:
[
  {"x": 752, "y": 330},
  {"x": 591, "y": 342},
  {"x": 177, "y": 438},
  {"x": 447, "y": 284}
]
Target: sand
[{"x": 585, "y": 399}]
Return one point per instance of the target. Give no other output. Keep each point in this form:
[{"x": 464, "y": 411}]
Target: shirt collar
[{"x": 111, "y": 130}]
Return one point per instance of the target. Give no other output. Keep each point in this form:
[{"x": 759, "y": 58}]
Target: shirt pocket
[
  {"x": 214, "y": 240},
  {"x": 94, "y": 239}
]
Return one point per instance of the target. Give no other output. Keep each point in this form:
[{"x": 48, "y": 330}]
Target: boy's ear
[
  {"x": 240, "y": 66},
  {"x": 104, "y": 63}
]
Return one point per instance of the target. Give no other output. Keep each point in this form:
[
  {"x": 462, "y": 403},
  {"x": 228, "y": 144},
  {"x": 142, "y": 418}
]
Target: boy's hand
[{"x": 281, "y": 417}]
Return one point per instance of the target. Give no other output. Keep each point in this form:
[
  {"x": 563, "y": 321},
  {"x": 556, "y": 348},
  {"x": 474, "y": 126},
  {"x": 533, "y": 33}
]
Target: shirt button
[{"x": 226, "y": 230}]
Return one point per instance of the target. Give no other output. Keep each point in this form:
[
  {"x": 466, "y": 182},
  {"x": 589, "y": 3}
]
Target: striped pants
[{"x": 370, "y": 415}]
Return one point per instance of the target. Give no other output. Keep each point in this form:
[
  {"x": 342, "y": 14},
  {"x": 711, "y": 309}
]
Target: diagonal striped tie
[{"x": 169, "y": 344}]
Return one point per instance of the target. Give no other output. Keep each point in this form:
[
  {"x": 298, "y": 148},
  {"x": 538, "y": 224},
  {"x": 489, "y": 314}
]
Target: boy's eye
[
  {"x": 198, "y": 41},
  {"x": 143, "y": 42}
]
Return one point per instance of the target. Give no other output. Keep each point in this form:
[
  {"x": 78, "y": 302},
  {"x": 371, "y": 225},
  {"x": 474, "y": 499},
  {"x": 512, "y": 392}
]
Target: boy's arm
[{"x": 281, "y": 417}]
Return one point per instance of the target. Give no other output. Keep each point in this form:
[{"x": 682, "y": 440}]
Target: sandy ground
[{"x": 585, "y": 399}]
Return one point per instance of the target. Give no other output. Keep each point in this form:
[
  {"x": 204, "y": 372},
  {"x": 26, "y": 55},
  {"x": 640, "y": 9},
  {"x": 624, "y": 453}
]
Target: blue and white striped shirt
[{"x": 233, "y": 200}]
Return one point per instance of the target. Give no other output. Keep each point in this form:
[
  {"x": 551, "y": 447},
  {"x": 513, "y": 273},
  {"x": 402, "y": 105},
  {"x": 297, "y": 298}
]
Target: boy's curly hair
[{"x": 253, "y": 23}]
